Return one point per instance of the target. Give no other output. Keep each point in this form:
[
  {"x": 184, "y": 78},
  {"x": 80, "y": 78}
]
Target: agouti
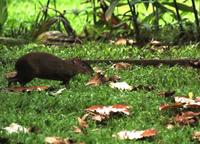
[{"x": 47, "y": 66}]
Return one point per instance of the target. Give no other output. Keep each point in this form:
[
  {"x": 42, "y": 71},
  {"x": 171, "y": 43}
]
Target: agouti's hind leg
[{"x": 66, "y": 83}]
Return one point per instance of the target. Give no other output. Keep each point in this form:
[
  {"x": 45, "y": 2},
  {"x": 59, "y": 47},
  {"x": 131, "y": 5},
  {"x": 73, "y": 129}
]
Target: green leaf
[
  {"x": 3, "y": 11},
  {"x": 111, "y": 9}
]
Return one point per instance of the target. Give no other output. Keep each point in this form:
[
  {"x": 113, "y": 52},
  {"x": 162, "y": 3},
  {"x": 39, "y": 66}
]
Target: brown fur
[{"x": 47, "y": 66}]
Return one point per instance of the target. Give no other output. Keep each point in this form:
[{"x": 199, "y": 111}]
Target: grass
[{"x": 56, "y": 116}]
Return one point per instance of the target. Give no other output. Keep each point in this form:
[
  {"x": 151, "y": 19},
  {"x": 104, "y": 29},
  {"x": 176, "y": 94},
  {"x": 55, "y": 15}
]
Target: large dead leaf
[
  {"x": 188, "y": 117},
  {"x": 131, "y": 135},
  {"x": 100, "y": 113},
  {"x": 170, "y": 106},
  {"x": 28, "y": 89},
  {"x": 121, "y": 86},
  {"x": 182, "y": 102},
  {"x": 16, "y": 128},
  {"x": 121, "y": 65}
]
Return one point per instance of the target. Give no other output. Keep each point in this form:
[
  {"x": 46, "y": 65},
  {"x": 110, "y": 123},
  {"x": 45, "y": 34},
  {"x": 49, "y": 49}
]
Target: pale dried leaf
[
  {"x": 15, "y": 128},
  {"x": 136, "y": 134},
  {"x": 121, "y": 86},
  {"x": 107, "y": 110}
]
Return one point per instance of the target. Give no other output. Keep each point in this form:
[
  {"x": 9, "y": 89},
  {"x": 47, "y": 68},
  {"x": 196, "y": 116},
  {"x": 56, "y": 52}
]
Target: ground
[{"x": 57, "y": 115}]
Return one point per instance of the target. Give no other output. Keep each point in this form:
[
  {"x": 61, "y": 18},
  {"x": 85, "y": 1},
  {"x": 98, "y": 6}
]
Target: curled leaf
[
  {"x": 136, "y": 134},
  {"x": 15, "y": 128},
  {"x": 121, "y": 86}
]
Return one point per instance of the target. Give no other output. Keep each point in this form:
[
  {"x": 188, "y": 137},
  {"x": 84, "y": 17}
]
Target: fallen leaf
[
  {"x": 101, "y": 79},
  {"x": 188, "y": 117},
  {"x": 28, "y": 89},
  {"x": 121, "y": 41},
  {"x": 196, "y": 136},
  {"x": 136, "y": 134},
  {"x": 121, "y": 65},
  {"x": 99, "y": 113},
  {"x": 170, "y": 106},
  {"x": 97, "y": 80},
  {"x": 58, "y": 92},
  {"x": 58, "y": 140},
  {"x": 121, "y": 86},
  {"x": 15, "y": 128}
]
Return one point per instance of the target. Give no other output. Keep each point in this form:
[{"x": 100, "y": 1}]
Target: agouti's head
[{"x": 81, "y": 66}]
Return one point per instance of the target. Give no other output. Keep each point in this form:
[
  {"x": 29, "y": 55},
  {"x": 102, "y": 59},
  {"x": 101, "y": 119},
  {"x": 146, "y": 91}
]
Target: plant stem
[
  {"x": 179, "y": 18},
  {"x": 134, "y": 19}
]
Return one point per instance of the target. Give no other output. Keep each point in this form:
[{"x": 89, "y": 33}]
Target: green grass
[{"x": 56, "y": 116}]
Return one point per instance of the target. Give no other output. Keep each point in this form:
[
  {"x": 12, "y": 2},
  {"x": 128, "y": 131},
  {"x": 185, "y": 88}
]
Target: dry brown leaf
[
  {"x": 28, "y": 89},
  {"x": 97, "y": 80},
  {"x": 58, "y": 140},
  {"x": 196, "y": 136},
  {"x": 136, "y": 134},
  {"x": 15, "y": 128},
  {"x": 170, "y": 106},
  {"x": 101, "y": 79},
  {"x": 100, "y": 113},
  {"x": 121, "y": 65},
  {"x": 188, "y": 117},
  {"x": 121, "y": 86}
]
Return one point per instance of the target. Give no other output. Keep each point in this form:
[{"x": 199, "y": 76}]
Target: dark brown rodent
[{"x": 47, "y": 66}]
